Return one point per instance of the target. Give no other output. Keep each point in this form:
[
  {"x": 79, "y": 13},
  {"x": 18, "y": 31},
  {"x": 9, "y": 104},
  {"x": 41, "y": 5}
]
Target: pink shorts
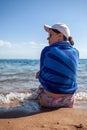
[{"x": 57, "y": 102}]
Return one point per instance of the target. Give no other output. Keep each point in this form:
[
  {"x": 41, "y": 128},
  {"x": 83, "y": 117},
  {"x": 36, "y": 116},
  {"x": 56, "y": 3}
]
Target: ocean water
[
  {"x": 17, "y": 81},
  {"x": 18, "y": 75}
]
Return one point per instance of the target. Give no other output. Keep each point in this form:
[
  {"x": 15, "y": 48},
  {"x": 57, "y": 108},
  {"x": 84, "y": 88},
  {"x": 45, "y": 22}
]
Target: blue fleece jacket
[{"x": 58, "y": 68}]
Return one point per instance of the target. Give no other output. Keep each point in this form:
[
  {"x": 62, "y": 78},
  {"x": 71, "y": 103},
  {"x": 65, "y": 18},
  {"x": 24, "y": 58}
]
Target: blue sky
[{"x": 21, "y": 25}]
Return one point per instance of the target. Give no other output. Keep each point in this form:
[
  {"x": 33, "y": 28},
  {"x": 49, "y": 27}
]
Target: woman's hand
[{"x": 37, "y": 74}]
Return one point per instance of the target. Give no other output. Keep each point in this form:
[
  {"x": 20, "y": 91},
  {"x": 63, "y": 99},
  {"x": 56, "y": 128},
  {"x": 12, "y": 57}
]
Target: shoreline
[
  {"x": 20, "y": 109},
  {"x": 58, "y": 119}
]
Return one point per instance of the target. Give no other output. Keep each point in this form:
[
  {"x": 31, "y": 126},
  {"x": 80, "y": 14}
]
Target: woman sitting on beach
[{"x": 58, "y": 68}]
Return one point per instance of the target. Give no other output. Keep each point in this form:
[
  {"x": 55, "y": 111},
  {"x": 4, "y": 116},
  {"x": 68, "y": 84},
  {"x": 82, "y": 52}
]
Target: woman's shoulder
[{"x": 46, "y": 49}]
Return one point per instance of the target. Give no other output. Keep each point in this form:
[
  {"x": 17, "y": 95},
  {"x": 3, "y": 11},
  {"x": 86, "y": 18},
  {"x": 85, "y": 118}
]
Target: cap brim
[{"x": 47, "y": 28}]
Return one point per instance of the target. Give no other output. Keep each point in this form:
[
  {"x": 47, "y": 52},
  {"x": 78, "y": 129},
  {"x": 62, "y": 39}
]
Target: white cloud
[
  {"x": 27, "y": 50},
  {"x": 30, "y": 50},
  {"x": 34, "y": 44},
  {"x": 5, "y": 43},
  {"x": 83, "y": 53}
]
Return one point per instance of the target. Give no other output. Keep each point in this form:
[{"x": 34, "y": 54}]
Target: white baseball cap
[{"x": 63, "y": 28}]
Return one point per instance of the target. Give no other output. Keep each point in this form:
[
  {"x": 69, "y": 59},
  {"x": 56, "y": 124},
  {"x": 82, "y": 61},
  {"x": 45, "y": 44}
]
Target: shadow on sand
[{"x": 25, "y": 109}]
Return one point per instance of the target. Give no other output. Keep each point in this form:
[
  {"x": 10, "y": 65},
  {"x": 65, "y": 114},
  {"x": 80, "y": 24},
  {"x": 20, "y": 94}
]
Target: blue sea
[{"x": 17, "y": 81}]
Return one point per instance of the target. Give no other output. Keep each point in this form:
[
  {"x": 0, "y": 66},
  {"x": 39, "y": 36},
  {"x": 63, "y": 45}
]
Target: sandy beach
[{"x": 60, "y": 119}]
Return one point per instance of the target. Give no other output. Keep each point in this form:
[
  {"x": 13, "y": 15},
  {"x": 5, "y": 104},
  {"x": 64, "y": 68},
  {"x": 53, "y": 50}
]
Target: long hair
[{"x": 70, "y": 39}]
